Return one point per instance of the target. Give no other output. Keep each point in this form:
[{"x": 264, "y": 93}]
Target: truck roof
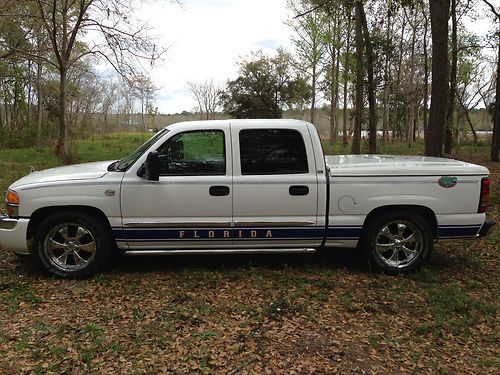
[{"x": 253, "y": 122}]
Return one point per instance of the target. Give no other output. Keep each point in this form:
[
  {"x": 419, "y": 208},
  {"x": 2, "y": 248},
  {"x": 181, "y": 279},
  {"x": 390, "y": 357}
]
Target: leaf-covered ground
[{"x": 324, "y": 313}]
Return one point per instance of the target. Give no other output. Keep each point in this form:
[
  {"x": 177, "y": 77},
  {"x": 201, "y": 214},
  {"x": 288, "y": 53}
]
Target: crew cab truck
[{"x": 243, "y": 186}]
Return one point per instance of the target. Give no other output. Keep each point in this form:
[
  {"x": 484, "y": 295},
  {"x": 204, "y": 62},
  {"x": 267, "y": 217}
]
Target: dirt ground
[{"x": 321, "y": 313}]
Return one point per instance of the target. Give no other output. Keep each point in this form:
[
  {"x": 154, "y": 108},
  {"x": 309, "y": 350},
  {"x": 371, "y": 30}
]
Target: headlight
[{"x": 12, "y": 203}]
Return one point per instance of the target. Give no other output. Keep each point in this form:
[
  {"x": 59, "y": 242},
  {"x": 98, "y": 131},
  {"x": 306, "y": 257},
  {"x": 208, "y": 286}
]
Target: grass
[
  {"x": 455, "y": 309},
  {"x": 16, "y": 163},
  {"x": 324, "y": 313}
]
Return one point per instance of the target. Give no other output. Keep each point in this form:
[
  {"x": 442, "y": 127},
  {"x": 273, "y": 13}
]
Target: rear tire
[
  {"x": 397, "y": 242},
  {"x": 72, "y": 244}
]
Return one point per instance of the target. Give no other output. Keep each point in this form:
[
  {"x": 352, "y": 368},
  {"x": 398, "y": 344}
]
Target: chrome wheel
[
  {"x": 398, "y": 244},
  {"x": 70, "y": 246}
]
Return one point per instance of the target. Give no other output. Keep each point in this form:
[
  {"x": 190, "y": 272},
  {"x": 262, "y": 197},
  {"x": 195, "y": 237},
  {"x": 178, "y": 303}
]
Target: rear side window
[{"x": 272, "y": 151}]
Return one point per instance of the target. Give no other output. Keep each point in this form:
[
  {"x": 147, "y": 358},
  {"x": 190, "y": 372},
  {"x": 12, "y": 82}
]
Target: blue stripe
[
  {"x": 148, "y": 234},
  {"x": 339, "y": 232},
  {"x": 449, "y": 231},
  {"x": 344, "y": 232},
  {"x": 460, "y": 226}
]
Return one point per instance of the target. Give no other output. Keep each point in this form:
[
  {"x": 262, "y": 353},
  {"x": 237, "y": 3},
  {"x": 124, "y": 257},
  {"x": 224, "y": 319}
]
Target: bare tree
[
  {"x": 495, "y": 142},
  {"x": 385, "y": 115},
  {"x": 346, "y": 73},
  {"x": 370, "y": 62},
  {"x": 410, "y": 125},
  {"x": 119, "y": 39},
  {"x": 331, "y": 36},
  {"x": 144, "y": 90},
  {"x": 109, "y": 98},
  {"x": 208, "y": 97},
  {"x": 309, "y": 45}
]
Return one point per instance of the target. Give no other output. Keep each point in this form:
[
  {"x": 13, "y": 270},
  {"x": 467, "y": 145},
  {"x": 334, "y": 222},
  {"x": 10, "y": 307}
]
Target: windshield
[{"x": 127, "y": 161}]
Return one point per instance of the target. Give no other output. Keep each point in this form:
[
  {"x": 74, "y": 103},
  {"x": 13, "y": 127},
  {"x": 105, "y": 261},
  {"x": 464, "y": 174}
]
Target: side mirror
[{"x": 152, "y": 167}]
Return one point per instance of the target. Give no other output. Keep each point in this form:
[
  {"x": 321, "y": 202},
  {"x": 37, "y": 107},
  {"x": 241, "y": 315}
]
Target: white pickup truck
[{"x": 243, "y": 186}]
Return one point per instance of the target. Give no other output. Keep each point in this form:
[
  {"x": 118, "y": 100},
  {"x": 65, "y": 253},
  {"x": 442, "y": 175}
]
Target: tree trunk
[
  {"x": 495, "y": 142},
  {"x": 336, "y": 84},
  {"x": 358, "y": 119},
  {"x": 62, "y": 147},
  {"x": 426, "y": 72},
  {"x": 143, "y": 120},
  {"x": 466, "y": 113},
  {"x": 450, "y": 113},
  {"x": 333, "y": 110},
  {"x": 313, "y": 94},
  {"x": 398, "y": 79},
  {"x": 385, "y": 116},
  {"x": 372, "y": 110},
  {"x": 15, "y": 104},
  {"x": 410, "y": 131},
  {"x": 346, "y": 76},
  {"x": 29, "y": 87},
  {"x": 39, "y": 106},
  {"x": 439, "y": 10}
]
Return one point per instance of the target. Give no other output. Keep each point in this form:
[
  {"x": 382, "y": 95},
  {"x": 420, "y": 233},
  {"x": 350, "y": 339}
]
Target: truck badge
[{"x": 447, "y": 182}]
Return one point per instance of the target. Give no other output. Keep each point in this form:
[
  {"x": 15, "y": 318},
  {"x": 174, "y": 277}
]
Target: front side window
[
  {"x": 272, "y": 151},
  {"x": 193, "y": 153}
]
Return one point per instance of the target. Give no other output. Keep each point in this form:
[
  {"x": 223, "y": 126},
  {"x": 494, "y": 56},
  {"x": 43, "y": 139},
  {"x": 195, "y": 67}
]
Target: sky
[{"x": 205, "y": 40}]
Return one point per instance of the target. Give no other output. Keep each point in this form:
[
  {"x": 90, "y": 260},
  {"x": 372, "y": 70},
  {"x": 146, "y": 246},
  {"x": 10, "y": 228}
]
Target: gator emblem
[{"x": 447, "y": 182}]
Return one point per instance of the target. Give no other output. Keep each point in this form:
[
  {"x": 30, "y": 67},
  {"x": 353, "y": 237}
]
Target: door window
[
  {"x": 193, "y": 153},
  {"x": 272, "y": 151}
]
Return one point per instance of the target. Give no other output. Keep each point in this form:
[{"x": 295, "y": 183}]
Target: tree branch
[
  {"x": 492, "y": 8},
  {"x": 315, "y": 8}
]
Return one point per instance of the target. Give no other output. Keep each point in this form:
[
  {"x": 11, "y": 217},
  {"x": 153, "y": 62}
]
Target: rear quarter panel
[{"x": 353, "y": 198}]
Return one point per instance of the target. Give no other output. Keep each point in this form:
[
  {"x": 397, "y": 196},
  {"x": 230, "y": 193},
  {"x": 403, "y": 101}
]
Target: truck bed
[{"x": 390, "y": 165}]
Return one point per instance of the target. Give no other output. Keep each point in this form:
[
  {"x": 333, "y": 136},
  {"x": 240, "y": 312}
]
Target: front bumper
[
  {"x": 486, "y": 227},
  {"x": 13, "y": 234}
]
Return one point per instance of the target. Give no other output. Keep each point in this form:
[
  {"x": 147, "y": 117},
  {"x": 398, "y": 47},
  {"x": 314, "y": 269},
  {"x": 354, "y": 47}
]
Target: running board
[{"x": 221, "y": 251}]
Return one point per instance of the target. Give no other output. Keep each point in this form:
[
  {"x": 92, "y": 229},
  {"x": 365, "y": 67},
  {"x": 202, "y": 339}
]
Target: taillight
[{"x": 484, "y": 197}]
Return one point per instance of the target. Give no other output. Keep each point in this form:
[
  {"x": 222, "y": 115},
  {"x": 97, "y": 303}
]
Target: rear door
[{"x": 275, "y": 193}]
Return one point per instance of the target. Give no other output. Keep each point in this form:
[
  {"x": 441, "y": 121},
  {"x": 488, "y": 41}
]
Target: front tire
[
  {"x": 72, "y": 244},
  {"x": 398, "y": 242}
]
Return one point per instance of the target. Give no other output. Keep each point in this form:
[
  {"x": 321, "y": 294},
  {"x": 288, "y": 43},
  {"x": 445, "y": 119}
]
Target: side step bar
[{"x": 220, "y": 251}]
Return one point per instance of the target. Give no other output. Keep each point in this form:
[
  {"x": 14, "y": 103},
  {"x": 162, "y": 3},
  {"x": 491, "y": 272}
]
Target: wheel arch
[
  {"x": 40, "y": 214},
  {"x": 425, "y": 212}
]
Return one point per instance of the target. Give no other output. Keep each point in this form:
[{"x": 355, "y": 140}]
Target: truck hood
[
  {"x": 389, "y": 165},
  {"x": 87, "y": 171}
]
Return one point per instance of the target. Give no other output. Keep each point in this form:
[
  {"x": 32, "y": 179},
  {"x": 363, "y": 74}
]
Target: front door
[
  {"x": 275, "y": 191},
  {"x": 190, "y": 207}
]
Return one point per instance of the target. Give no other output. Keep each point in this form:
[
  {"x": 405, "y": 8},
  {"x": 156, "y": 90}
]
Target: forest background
[
  {"x": 416, "y": 76},
  {"x": 382, "y": 71}
]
